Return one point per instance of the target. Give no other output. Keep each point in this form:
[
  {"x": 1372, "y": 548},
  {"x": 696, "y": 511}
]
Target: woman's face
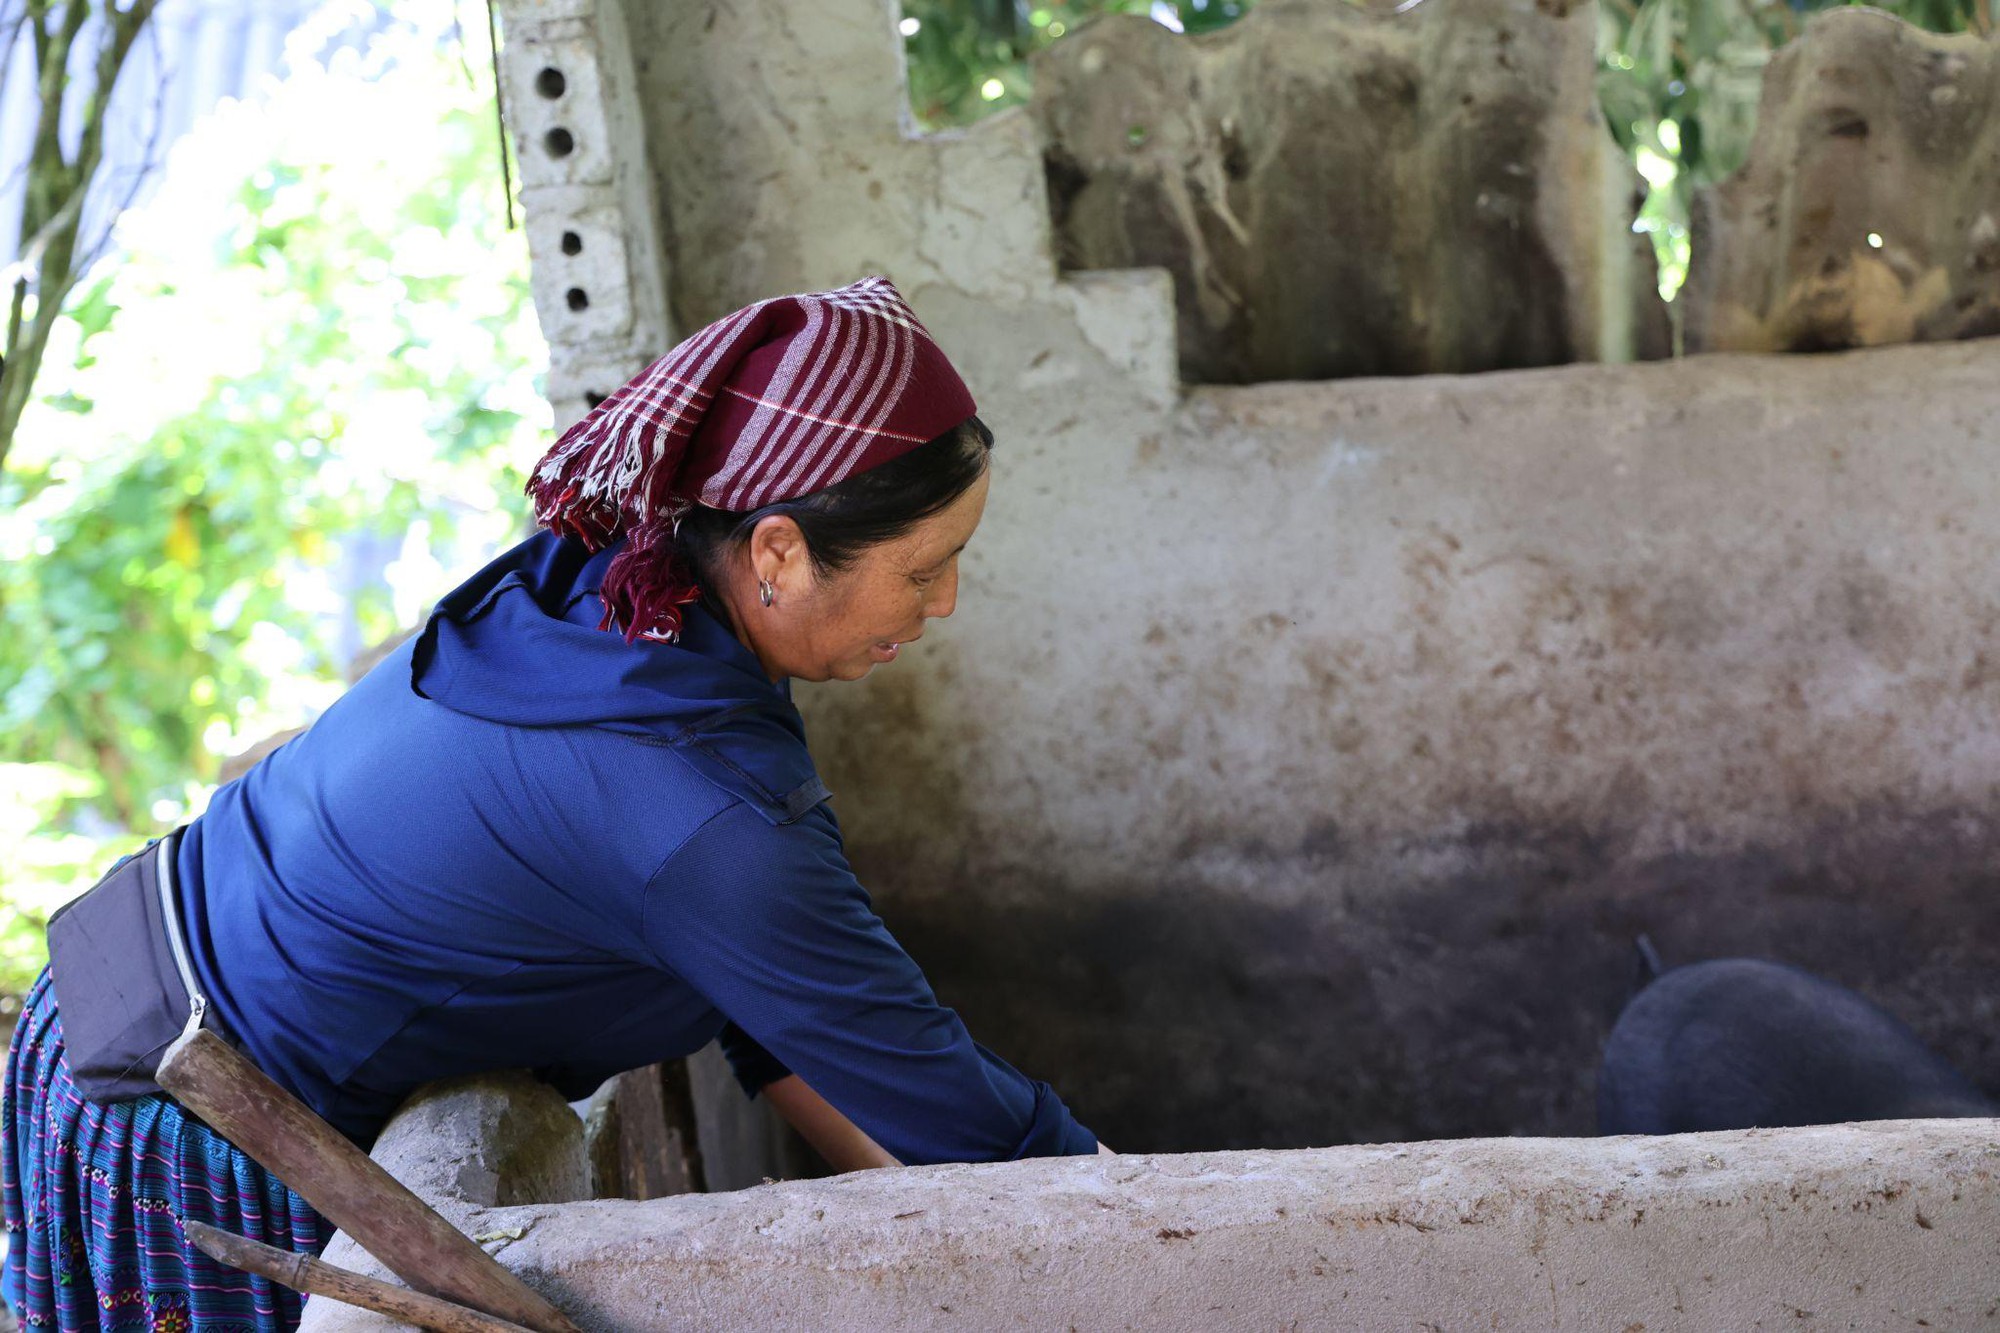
[{"x": 840, "y": 626}]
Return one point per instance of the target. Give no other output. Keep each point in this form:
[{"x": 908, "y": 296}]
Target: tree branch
[{"x": 56, "y": 188}]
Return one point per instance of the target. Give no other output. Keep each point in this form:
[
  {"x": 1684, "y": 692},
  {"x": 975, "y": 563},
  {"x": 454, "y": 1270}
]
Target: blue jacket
[{"x": 522, "y": 842}]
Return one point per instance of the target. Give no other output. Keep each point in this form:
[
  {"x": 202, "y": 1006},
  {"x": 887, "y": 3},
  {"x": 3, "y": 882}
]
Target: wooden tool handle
[
  {"x": 278, "y": 1131},
  {"x": 315, "y": 1277}
]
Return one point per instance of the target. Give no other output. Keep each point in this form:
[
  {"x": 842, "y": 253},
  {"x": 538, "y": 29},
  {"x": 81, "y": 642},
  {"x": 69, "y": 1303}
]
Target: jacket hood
[{"x": 518, "y": 644}]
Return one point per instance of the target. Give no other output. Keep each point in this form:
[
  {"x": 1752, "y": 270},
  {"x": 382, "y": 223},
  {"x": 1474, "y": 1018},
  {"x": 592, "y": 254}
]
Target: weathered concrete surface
[
  {"x": 1300, "y": 764},
  {"x": 779, "y": 137},
  {"x": 1893, "y": 1225},
  {"x": 1339, "y": 191},
  {"x": 1866, "y": 126}
]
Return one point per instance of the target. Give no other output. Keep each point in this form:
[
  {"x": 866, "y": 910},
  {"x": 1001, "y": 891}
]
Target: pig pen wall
[
  {"x": 1889, "y": 1225},
  {"x": 1301, "y": 770},
  {"x": 1303, "y": 758}
]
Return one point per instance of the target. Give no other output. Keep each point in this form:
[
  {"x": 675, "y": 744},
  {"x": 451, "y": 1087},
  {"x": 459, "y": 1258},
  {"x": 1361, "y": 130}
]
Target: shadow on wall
[{"x": 1392, "y": 1006}]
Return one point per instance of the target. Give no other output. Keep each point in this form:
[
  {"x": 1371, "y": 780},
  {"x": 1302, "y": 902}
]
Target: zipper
[{"x": 170, "y": 913}]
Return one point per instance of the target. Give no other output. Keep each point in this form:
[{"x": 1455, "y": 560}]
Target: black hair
[{"x": 848, "y": 517}]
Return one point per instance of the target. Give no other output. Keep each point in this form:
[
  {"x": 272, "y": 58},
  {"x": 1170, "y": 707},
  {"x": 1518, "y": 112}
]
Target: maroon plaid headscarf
[{"x": 778, "y": 400}]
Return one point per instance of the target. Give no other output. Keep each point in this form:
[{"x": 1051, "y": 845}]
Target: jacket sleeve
[
  {"x": 769, "y": 923},
  {"x": 755, "y": 1068}
]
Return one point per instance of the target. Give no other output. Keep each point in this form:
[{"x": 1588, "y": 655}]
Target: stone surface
[
  {"x": 1867, "y": 127},
  {"x": 1893, "y": 1225},
  {"x": 487, "y": 1140},
  {"x": 1342, "y": 191}
]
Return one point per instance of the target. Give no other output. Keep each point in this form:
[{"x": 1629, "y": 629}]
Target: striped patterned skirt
[{"x": 97, "y": 1198}]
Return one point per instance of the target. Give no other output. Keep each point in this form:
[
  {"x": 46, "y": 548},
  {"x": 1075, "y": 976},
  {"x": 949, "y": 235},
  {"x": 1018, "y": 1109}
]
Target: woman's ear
[{"x": 778, "y": 553}]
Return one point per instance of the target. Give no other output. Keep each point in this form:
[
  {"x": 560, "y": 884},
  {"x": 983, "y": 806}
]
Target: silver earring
[{"x": 766, "y": 592}]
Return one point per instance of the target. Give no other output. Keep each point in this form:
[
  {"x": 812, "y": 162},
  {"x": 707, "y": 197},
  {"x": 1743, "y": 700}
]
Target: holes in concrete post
[
  {"x": 578, "y": 298},
  {"x": 592, "y": 399},
  {"x": 572, "y": 244},
  {"x": 550, "y": 83},
  {"x": 559, "y": 142}
]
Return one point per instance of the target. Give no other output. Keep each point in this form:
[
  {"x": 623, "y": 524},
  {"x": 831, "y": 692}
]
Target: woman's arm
[
  {"x": 833, "y": 1136},
  {"x": 844, "y": 1145},
  {"x": 769, "y": 924}
]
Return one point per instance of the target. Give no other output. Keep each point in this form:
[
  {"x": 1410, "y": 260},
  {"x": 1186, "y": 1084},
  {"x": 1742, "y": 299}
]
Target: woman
[{"x": 572, "y": 826}]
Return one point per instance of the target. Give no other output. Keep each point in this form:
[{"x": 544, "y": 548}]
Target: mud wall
[{"x": 1303, "y": 757}]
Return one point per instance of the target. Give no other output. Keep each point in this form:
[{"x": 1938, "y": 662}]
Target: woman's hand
[{"x": 833, "y": 1136}]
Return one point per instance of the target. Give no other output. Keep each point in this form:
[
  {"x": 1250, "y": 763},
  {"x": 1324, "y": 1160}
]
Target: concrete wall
[
  {"x": 1304, "y": 757},
  {"x": 1891, "y": 1225},
  {"x": 769, "y": 144}
]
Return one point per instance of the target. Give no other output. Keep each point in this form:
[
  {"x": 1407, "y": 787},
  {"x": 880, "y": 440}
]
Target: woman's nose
[{"x": 944, "y": 595}]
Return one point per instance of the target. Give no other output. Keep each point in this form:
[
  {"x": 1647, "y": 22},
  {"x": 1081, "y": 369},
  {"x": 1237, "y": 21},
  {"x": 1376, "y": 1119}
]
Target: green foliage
[
  {"x": 46, "y": 865},
  {"x": 320, "y": 331},
  {"x": 66, "y": 150}
]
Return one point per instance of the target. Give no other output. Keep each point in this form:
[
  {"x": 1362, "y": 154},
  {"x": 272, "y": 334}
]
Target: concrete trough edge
[{"x": 1882, "y": 1225}]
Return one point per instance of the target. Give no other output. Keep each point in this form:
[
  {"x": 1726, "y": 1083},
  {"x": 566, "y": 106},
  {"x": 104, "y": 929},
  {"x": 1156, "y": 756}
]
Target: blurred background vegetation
[{"x": 296, "y": 396}]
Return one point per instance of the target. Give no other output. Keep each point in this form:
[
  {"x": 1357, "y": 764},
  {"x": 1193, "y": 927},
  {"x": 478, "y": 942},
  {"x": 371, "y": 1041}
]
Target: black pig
[{"x": 1738, "y": 1043}]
